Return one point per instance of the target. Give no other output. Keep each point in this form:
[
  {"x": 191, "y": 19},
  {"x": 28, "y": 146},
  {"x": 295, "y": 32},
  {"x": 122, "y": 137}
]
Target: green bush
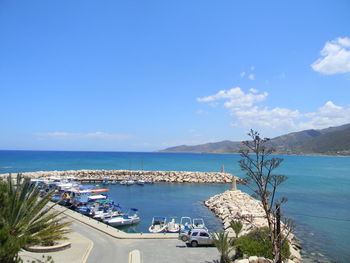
[{"x": 258, "y": 243}]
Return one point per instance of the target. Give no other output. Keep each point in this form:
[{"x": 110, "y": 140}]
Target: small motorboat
[
  {"x": 141, "y": 182},
  {"x": 198, "y": 223},
  {"x": 149, "y": 182},
  {"x": 172, "y": 226},
  {"x": 123, "y": 182},
  {"x": 124, "y": 220},
  {"x": 130, "y": 181},
  {"x": 185, "y": 223},
  {"x": 158, "y": 225},
  {"x": 84, "y": 209}
]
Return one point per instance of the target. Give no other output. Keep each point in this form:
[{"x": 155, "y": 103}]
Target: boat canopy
[
  {"x": 96, "y": 197},
  {"x": 99, "y": 190}
]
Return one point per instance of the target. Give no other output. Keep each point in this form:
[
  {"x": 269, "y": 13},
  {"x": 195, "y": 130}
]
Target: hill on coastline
[{"x": 332, "y": 140}]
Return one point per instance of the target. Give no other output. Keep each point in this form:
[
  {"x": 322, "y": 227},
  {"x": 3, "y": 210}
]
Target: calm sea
[{"x": 318, "y": 190}]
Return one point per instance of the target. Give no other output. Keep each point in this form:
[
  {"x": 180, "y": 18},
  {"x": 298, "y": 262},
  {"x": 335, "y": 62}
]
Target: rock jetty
[
  {"x": 237, "y": 205},
  {"x": 155, "y": 176}
]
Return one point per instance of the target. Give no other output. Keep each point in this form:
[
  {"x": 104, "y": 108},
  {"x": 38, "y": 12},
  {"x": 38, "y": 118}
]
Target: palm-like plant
[
  {"x": 26, "y": 219},
  {"x": 223, "y": 245},
  {"x": 236, "y": 226}
]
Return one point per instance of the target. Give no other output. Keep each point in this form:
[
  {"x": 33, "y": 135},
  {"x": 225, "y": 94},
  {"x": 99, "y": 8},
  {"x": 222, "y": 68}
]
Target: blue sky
[{"x": 145, "y": 75}]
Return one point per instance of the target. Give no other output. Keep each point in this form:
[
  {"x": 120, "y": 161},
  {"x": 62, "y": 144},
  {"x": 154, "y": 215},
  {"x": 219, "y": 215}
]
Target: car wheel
[
  {"x": 184, "y": 238},
  {"x": 194, "y": 244}
]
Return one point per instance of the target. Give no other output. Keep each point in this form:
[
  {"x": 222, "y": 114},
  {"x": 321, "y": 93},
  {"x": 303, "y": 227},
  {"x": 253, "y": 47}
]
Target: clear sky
[{"x": 144, "y": 75}]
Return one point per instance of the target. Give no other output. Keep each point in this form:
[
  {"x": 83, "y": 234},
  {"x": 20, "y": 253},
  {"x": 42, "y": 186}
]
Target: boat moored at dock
[
  {"x": 173, "y": 226},
  {"x": 158, "y": 224}
]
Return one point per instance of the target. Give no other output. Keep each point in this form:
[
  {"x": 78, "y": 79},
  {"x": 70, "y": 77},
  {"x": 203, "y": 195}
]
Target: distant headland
[{"x": 329, "y": 141}]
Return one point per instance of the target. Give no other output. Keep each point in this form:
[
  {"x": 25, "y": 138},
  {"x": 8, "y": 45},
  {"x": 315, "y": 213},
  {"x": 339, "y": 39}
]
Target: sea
[{"x": 318, "y": 190}]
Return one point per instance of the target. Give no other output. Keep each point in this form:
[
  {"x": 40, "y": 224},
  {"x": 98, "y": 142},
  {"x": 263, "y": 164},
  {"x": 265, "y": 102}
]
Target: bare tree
[{"x": 259, "y": 166}]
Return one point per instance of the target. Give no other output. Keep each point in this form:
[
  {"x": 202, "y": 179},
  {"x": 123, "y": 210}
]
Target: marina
[
  {"x": 317, "y": 190},
  {"x": 112, "y": 205}
]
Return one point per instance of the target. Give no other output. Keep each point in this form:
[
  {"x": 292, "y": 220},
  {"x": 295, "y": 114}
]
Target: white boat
[
  {"x": 140, "y": 182},
  {"x": 185, "y": 223},
  {"x": 127, "y": 182},
  {"x": 108, "y": 215},
  {"x": 172, "y": 226},
  {"x": 123, "y": 182},
  {"x": 158, "y": 225},
  {"x": 124, "y": 220},
  {"x": 198, "y": 223},
  {"x": 130, "y": 182}
]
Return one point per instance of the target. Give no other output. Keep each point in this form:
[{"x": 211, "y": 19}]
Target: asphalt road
[{"x": 107, "y": 249}]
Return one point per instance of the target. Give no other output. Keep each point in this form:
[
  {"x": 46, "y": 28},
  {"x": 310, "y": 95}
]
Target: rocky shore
[
  {"x": 236, "y": 205},
  {"x": 155, "y": 176}
]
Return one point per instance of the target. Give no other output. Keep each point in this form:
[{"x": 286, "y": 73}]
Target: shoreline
[
  {"x": 178, "y": 152},
  {"x": 284, "y": 154}
]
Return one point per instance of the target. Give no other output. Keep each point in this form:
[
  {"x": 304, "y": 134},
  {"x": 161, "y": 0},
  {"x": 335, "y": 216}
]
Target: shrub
[{"x": 258, "y": 243}]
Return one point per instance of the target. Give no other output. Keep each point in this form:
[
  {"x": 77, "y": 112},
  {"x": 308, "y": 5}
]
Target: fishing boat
[
  {"x": 185, "y": 223},
  {"x": 172, "y": 226},
  {"x": 105, "y": 216},
  {"x": 158, "y": 224},
  {"x": 84, "y": 209},
  {"x": 124, "y": 220}
]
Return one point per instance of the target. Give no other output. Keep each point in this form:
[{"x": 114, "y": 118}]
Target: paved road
[{"x": 107, "y": 249}]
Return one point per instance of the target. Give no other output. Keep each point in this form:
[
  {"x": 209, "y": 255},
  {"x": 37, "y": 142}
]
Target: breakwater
[
  {"x": 155, "y": 176},
  {"x": 236, "y": 205}
]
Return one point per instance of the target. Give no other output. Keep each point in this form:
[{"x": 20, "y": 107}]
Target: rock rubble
[
  {"x": 155, "y": 176},
  {"x": 236, "y": 205}
]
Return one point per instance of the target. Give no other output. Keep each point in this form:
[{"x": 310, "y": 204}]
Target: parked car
[{"x": 196, "y": 237}]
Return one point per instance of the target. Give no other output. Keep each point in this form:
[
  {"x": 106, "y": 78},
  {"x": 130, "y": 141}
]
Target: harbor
[
  {"x": 106, "y": 200},
  {"x": 308, "y": 175}
]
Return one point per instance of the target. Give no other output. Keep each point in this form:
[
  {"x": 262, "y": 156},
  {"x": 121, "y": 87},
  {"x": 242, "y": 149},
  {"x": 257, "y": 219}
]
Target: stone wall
[{"x": 156, "y": 176}]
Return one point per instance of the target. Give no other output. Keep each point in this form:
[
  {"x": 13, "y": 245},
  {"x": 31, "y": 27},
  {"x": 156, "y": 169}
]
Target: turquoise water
[
  {"x": 164, "y": 199},
  {"x": 318, "y": 189}
]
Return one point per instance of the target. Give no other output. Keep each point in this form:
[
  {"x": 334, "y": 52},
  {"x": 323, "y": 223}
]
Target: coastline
[{"x": 283, "y": 154}]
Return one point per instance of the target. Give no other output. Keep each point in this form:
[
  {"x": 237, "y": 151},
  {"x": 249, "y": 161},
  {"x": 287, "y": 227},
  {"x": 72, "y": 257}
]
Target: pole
[
  {"x": 233, "y": 184},
  {"x": 279, "y": 238}
]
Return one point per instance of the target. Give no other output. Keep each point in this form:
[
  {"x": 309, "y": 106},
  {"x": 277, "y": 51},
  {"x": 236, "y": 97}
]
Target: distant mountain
[
  {"x": 332, "y": 140},
  {"x": 212, "y": 147}
]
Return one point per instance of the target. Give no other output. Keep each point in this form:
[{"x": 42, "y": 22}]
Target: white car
[{"x": 196, "y": 237}]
